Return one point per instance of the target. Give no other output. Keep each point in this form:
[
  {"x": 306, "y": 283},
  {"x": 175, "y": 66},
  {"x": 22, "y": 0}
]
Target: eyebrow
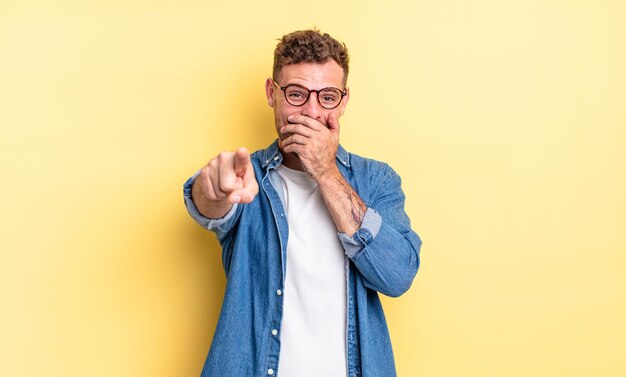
[{"x": 306, "y": 87}]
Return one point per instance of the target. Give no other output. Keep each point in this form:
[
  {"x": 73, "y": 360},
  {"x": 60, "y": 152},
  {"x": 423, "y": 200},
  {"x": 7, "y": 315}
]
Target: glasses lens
[
  {"x": 329, "y": 97},
  {"x": 296, "y": 95}
]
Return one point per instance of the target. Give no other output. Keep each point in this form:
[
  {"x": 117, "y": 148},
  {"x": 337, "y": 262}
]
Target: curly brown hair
[{"x": 310, "y": 46}]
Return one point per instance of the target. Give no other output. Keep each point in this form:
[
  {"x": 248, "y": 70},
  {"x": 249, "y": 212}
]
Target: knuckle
[
  {"x": 211, "y": 166},
  {"x": 205, "y": 173}
]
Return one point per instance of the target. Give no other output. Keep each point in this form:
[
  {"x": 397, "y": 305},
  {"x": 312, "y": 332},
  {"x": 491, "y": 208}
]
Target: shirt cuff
[
  {"x": 206, "y": 222},
  {"x": 367, "y": 232}
]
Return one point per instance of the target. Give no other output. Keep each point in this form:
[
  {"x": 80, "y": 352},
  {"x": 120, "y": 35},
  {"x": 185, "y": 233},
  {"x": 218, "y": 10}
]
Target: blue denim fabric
[{"x": 382, "y": 256}]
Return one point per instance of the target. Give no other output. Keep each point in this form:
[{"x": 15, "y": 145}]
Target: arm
[
  {"x": 379, "y": 240},
  {"x": 344, "y": 204},
  {"x": 316, "y": 146},
  {"x": 380, "y": 243},
  {"x": 385, "y": 249}
]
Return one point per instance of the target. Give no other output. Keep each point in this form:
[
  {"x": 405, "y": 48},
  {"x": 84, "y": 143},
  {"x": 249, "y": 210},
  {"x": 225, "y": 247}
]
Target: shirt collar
[{"x": 271, "y": 156}]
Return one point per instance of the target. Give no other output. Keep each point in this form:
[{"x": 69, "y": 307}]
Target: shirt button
[
  {"x": 279, "y": 292},
  {"x": 274, "y": 332},
  {"x": 270, "y": 371}
]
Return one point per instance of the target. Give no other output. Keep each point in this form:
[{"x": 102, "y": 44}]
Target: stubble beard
[{"x": 281, "y": 136}]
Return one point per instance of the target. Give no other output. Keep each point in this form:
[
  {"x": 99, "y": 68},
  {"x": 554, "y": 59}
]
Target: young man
[{"x": 309, "y": 233}]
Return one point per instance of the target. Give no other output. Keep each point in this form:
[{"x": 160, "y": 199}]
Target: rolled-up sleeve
[
  {"x": 385, "y": 249},
  {"x": 365, "y": 234}
]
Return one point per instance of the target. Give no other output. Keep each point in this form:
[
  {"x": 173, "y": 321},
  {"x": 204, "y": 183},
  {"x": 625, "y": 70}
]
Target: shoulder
[
  {"x": 372, "y": 179},
  {"x": 379, "y": 170}
]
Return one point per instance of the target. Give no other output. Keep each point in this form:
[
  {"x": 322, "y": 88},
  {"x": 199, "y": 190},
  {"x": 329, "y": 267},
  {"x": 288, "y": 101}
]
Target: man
[{"x": 309, "y": 233}]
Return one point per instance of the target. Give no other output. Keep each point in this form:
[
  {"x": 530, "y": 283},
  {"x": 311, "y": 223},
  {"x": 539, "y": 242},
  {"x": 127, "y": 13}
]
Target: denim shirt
[{"x": 382, "y": 256}]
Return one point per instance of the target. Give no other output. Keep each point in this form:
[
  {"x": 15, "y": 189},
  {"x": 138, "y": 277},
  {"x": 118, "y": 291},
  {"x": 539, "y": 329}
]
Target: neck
[{"x": 290, "y": 160}]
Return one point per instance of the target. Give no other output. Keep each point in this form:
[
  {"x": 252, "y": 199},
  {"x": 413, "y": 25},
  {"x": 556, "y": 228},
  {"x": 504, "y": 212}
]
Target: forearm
[
  {"x": 389, "y": 261},
  {"x": 344, "y": 204},
  {"x": 384, "y": 248}
]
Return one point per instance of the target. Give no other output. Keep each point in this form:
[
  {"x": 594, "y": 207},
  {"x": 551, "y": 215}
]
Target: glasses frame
[{"x": 284, "y": 89}]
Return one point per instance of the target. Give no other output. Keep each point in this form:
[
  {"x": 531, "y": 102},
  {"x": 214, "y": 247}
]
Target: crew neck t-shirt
[{"x": 313, "y": 328}]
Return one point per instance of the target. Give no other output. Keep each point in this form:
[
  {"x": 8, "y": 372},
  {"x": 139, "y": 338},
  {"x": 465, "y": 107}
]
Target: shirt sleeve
[
  {"x": 385, "y": 249},
  {"x": 369, "y": 229}
]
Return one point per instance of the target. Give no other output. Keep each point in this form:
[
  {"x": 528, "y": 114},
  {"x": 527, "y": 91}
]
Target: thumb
[{"x": 245, "y": 194}]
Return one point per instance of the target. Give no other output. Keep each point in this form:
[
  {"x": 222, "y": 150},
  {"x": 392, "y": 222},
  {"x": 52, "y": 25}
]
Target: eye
[
  {"x": 330, "y": 96},
  {"x": 296, "y": 94}
]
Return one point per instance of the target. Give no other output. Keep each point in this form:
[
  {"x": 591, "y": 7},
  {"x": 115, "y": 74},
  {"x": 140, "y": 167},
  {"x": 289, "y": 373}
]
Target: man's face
[{"x": 312, "y": 76}]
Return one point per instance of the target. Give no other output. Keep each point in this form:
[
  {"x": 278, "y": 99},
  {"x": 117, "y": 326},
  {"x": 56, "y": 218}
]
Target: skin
[{"x": 308, "y": 139}]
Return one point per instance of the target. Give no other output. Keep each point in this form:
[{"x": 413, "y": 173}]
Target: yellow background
[{"x": 506, "y": 120}]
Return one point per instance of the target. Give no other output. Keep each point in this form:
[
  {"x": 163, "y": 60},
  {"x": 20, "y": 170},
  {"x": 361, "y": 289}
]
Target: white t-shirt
[{"x": 313, "y": 329}]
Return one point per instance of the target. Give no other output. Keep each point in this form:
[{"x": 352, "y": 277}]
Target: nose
[{"x": 312, "y": 107}]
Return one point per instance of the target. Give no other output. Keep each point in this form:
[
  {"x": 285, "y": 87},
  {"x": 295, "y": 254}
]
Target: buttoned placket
[{"x": 281, "y": 223}]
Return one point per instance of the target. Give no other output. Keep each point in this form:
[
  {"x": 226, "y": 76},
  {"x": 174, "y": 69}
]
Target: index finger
[
  {"x": 307, "y": 121},
  {"x": 241, "y": 161}
]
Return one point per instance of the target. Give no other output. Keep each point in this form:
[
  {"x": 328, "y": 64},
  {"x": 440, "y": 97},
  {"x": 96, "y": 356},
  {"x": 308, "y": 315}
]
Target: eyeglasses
[{"x": 297, "y": 95}]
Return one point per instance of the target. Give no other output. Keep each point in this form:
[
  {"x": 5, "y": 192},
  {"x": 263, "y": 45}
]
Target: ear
[{"x": 269, "y": 91}]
